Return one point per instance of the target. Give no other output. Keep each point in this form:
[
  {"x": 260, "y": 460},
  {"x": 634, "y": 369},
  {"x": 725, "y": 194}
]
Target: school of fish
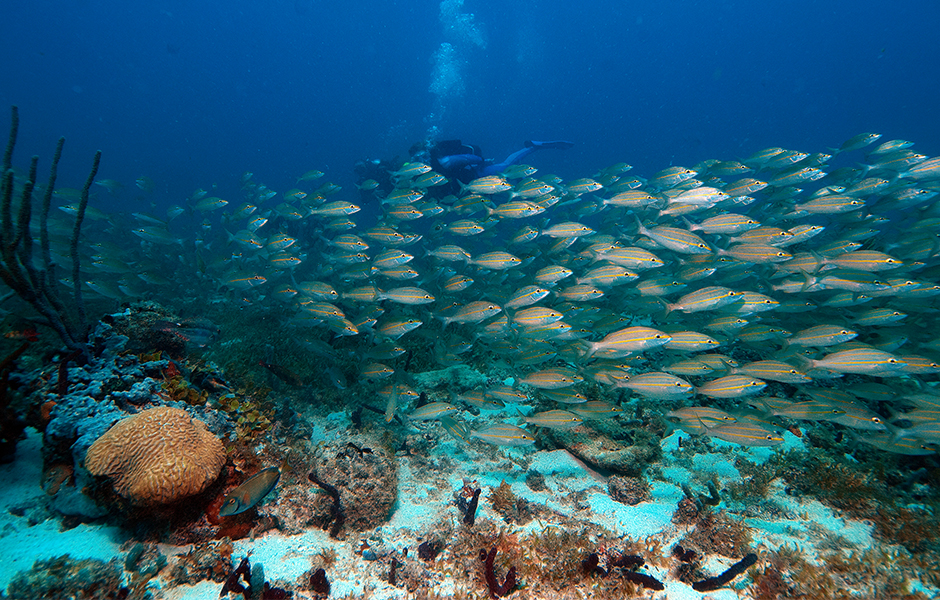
[{"x": 738, "y": 297}]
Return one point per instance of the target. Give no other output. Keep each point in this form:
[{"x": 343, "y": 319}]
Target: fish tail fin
[
  {"x": 896, "y": 432},
  {"x": 808, "y": 281},
  {"x": 820, "y": 261},
  {"x": 865, "y": 169},
  {"x": 590, "y": 348},
  {"x": 637, "y": 224},
  {"x": 705, "y": 428},
  {"x": 803, "y": 363},
  {"x": 667, "y": 308}
]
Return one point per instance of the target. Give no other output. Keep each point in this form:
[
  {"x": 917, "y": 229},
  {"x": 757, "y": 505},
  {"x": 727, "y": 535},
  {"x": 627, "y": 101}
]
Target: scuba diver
[
  {"x": 465, "y": 162},
  {"x": 453, "y": 159}
]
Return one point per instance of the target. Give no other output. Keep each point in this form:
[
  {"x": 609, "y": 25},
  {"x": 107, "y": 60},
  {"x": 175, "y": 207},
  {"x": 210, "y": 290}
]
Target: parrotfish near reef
[{"x": 251, "y": 492}]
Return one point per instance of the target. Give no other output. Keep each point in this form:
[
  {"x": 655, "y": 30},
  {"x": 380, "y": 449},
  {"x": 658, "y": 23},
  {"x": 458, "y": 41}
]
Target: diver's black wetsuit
[{"x": 463, "y": 162}]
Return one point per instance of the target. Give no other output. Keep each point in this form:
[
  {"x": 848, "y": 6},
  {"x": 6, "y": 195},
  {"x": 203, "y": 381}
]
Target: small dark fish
[
  {"x": 250, "y": 493},
  {"x": 285, "y": 375}
]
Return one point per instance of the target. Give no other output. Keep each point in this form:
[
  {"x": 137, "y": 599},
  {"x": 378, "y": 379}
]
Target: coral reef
[
  {"x": 64, "y": 577},
  {"x": 253, "y": 586},
  {"x": 835, "y": 483},
  {"x": 603, "y": 451},
  {"x": 158, "y": 456},
  {"x": 626, "y": 563},
  {"x": 864, "y": 494},
  {"x": 366, "y": 482},
  {"x": 145, "y": 560},
  {"x": 915, "y": 528},
  {"x": 755, "y": 484},
  {"x": 298, "y": 506},
  {"x": 511, "y": 507},
  {"x": 245, "y": 407},
  {"x": 208, "y": 560},
  {"x": 151, "y": 327},
  {"x": 687, "y": 511},
  {"x": 11, "y": 423},
  {"x": 716, "y": 533},
  {"x": 870, "y": 574},
  {"x": 555, "y": 556},
  {"x": 96, "y": 394},
  {"x": 549, "y": 563},
  {"x": 413, "y": 575},
  {"x": 429, "y": 550},
  {"x": 179, "y": 390},
  {"x": 628, "y": 490}
]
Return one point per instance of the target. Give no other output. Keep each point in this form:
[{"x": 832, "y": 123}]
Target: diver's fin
[{"x": 557, "y": 144}]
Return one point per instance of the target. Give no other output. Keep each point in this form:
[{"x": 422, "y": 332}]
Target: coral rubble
[{"x": 64, "y": 577}]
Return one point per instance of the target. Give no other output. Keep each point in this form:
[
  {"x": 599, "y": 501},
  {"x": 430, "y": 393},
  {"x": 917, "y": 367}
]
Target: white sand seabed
[
  {"x": 420, "y": 505},
  {"x": 24, "y": 545},
  {"x": 425, "y": 498}
]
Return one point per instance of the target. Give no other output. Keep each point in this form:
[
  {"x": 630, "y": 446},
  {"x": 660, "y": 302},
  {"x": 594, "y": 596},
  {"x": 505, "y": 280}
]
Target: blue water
[{"x": 193, "y": 94}]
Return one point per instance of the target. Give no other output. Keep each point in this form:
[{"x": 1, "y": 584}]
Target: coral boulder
[
  {"x": 157, "y": 456},
  {"x": 365, "y": 476}
]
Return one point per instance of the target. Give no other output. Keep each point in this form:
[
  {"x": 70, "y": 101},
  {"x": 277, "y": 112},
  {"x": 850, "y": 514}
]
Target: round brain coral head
[{"x": 157, "y": 456}]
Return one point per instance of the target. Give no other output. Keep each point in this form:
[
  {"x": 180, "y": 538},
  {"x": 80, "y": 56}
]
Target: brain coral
[{"x": 157, "y": 456}]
